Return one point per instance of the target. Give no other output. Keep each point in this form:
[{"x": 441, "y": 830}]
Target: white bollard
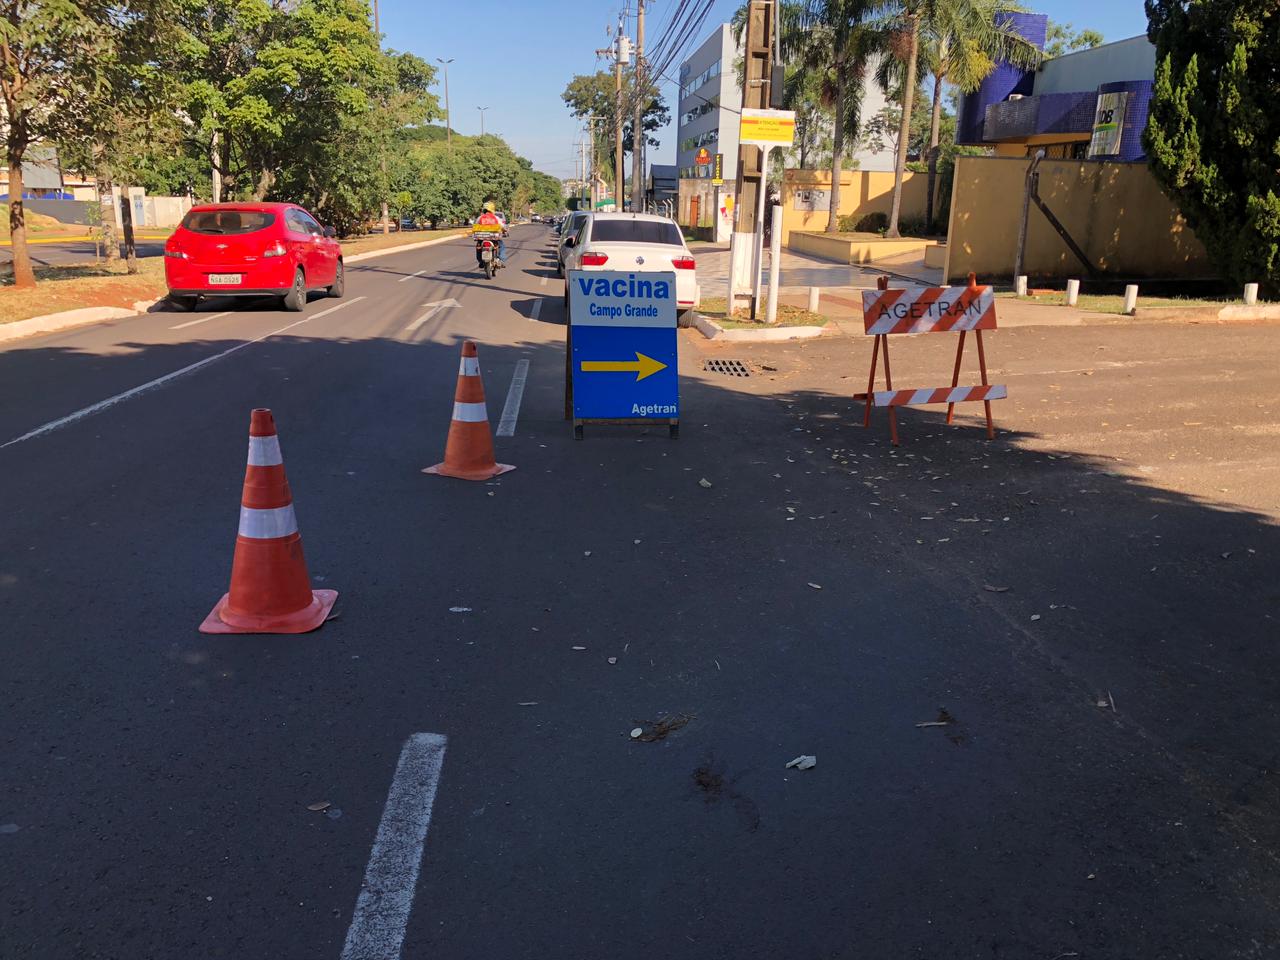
[
  {"x": 815, "y": 293},
  {"x": 1250, "y": 293},
  {"x": 775, "y": 264},
  {"x": 1073, "y": 292},
  {"x": 1131, "y": 299},
  {"x": 1020, "y": 286}
]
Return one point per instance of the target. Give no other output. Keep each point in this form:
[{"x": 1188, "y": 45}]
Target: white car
[{"x": 638, "y": 242}]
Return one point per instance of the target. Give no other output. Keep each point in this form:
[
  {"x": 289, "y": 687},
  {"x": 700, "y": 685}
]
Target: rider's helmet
[{"x": 490, "y": 207}]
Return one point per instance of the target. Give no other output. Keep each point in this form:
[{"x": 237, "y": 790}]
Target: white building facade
[{"x": 709, "y": 103}]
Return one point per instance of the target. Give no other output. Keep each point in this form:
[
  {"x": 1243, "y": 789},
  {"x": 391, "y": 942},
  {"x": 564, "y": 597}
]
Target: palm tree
[
  {"x": 835, "y": 40},
  {"x": 961, "y": 41}
]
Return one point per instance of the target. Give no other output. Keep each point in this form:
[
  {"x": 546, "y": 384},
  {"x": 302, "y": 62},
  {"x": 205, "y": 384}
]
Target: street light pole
[
  {"x": 482, "y": 110},
  {"x": 448, "y": 131}
]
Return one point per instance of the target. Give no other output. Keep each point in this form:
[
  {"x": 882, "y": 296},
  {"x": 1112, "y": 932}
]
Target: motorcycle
[{"x": 487, "y": 247}]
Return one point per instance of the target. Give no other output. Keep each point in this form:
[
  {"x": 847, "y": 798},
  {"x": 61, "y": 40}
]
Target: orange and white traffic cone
[
  {"x": 270, "y": 589},
  {"x": 468, "y": 453}
]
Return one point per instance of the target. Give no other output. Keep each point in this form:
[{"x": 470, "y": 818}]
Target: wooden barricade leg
[
  {"x": 955, "y": 376},
  {"x": 982, "y": 366},
  {"x": 871, "y": 383},
  {"x": 888, "y": 385}
]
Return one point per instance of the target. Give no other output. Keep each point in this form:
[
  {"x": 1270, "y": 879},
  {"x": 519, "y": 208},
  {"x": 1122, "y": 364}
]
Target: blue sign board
[{"x": 623, "y": 331}]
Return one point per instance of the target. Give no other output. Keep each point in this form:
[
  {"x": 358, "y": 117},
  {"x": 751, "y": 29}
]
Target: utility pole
[
  {"x": 377, "y": 27},
  {"x": 621, "y": 53},
  {"x": 482, "y": 110},
  {"x": 758, "y": 54},
  {"x": 637, "y": 128},
  {"x": 448, "y": 130}
]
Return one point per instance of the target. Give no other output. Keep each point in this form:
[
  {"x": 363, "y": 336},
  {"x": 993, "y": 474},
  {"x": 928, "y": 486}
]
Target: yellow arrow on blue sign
[{"x": 641, "y": 366}]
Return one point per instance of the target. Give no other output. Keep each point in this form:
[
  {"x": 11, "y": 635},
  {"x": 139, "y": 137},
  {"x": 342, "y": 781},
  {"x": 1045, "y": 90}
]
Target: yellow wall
[
  {"x": 861, "y": 192},
  {"x": 1115, "y": 212}
]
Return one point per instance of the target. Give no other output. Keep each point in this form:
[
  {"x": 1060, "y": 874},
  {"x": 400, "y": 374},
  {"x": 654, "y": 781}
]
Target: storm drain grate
[{"x": 727, "y": 368}]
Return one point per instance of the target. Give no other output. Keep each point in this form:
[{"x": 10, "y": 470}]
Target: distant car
[
  {"x": 408, "y": 223},
  {"x": 635, "y": 242},
  {"x": 571, "y": 225},
  {"x": 536, "y": 218},
  {"x": 251, "y": 250}
]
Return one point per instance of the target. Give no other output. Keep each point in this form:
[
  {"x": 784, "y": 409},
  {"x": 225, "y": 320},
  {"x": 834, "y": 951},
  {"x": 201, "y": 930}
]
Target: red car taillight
[
  {"x": 594, "y": 259},
  {"x": 683, "y": 263},
  {"x": 176, "y": 254},
  {"x": 277, "y": 249}
]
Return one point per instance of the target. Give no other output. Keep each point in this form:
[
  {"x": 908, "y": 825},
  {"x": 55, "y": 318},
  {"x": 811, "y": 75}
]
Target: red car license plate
[{"x": 225, "y": 278}]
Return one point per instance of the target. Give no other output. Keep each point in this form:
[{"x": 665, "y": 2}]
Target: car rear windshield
[
  {"x": 635, "y": 231},
  {"x": 225, "y": 222}
]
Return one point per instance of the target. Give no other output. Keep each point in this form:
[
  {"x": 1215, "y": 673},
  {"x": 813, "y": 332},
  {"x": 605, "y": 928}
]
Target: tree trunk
[
  {"x": 215, "y": 166},
  {"x": 110, "y": 242},
  {"x": 837, "y": 157},
  {"x": 265, "y": 179},
  {"x": 126, "y": 212},
  {"x": 23, "y": 273},
  {"x": 935, "y": 121},
  {"x": 904, "y": 127}
]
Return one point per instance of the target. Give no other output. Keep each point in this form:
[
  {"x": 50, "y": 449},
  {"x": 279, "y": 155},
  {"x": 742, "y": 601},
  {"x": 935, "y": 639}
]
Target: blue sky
[{"x": 516, "y": 57}]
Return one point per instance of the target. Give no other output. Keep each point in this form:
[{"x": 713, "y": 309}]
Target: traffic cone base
[
  {"x": 222, "y": 620},
  {"x": 468, "y": 452},
  {"x": 486, "y": 473}
]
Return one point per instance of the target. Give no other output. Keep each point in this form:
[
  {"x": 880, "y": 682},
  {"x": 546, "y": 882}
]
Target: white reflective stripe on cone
[
  {"x": 469, "y": 367},
  {"x": 470, "y": 412},
  {"x": 265, "y": 451},
  {"x": 267, "y": 524}
]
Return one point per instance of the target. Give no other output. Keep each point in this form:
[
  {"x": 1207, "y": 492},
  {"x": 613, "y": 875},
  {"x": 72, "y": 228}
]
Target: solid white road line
[
  {"x": 515, "y": 393},
  {"x": 101, "y": 405},
  {"x": 411, "y": 276},
  {"x": 391, "y": 879},
  {"x": 192, "y": 323},
  {"x": 537, "y": 309}
]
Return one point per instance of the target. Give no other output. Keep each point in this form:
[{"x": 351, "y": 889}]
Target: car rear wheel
[
  {"x": 183, "y": 304},
  {"x": 339, "y": 282},
  {"x": 296, "y": 298}
]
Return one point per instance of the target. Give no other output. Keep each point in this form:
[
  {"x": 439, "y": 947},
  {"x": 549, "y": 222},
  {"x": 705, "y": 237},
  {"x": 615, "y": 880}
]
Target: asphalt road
[
  {"x": 75, "y": 251},
  {"x": 155, "y": 781}
]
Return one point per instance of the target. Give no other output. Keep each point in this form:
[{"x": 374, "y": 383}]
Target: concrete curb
[
  {"x": 1259, "y": 311},
  {"x": 54, "y": 322},
  {"x": 67, "y": 319},
  {"x": 713, "y": 331}
]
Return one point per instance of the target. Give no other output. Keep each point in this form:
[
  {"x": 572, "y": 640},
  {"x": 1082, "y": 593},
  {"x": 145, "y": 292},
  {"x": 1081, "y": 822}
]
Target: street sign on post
[
  {"x": 717, "y": 171},
  {"x": 768, "y": 128},
  {"x": 622, "y": 349}
]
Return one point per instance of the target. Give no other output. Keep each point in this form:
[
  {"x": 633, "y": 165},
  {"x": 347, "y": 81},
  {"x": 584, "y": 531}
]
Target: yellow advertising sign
[{"x": 768, "y": 128}]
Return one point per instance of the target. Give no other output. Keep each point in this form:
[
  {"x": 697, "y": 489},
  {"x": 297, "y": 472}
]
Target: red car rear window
[{"x": 226, "y": 222}]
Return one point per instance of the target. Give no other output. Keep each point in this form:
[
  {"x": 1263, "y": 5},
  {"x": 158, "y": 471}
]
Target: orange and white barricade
[{"x": 928, "y": 310}]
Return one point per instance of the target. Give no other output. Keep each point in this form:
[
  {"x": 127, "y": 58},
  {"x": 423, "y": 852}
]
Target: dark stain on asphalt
[{"x": 713, "y": 786}]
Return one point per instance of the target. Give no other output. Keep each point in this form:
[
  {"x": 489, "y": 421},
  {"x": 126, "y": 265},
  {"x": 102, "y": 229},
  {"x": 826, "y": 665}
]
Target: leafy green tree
[
  {"x": 1213, "y": 138},
  {"x": 1063, "y": 38},
  {"x": 55, "y": 58},
  {"x": 593, "y": 95}
]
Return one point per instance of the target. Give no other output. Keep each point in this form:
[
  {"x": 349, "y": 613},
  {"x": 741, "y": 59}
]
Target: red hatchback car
[{"x": 251, "y": 250}]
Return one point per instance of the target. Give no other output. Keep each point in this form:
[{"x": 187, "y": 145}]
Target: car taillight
[
  {"x": 594, "y": 259},
  {"x": 683, "y": 263},
  {"x": 275, "y": 250},
  {"x": 176, "y": 254}
]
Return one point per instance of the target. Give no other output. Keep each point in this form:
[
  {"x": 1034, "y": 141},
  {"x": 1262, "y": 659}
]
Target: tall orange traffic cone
[
  {"x": 468, "y": 453},
  {"x": 270, "y": 589}
]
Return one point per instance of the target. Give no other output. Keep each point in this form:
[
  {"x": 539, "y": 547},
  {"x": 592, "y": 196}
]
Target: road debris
[
  {"x": 990, "y": 589},
  {"x": 1035, "y": 617},
  {"x": 579, "y": 648},
  {"x": 659, "y": 729},
  {"x": 613, "y": 659},
  {"x": 803, "y": 762},
  {"x": 816, "y": 586},
  {"x": 944, "y": 719},
  {"x": 319, "y": 806},
  {"x": 704, "y": 483},
  {"x": 459, "y": 609},
  {"x": 528, "y": 703}
]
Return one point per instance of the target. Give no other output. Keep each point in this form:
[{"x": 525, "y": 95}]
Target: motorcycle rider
[{"x": 490, "y": 222}]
